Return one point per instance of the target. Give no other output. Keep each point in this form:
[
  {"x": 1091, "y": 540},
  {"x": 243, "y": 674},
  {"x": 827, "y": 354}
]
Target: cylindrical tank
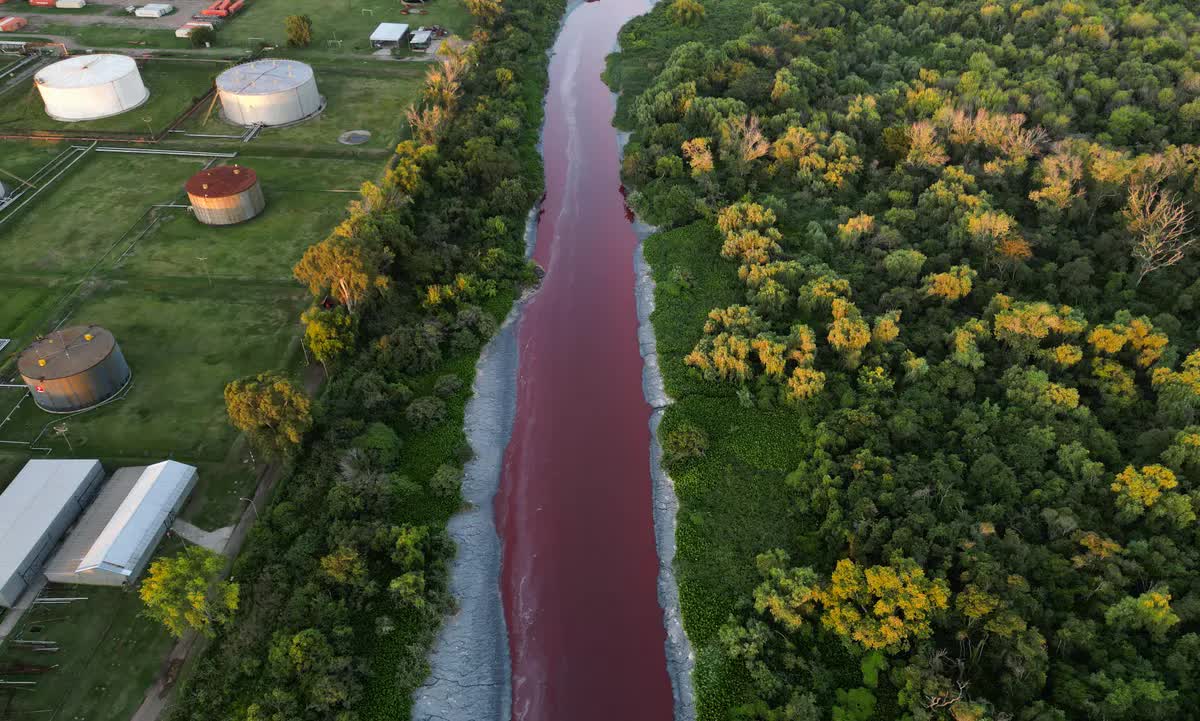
[
  {"x": 74, "y": 368},
  {"x": 89, "y": 87},
  {"x": 270, "y": 92},
  {"x": 225, "y": 195}
]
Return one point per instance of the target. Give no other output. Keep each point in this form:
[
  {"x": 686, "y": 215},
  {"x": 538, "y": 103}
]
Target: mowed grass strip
[
  {"x": 305, "y": 199},
  {"x": 174, "y": 86}
]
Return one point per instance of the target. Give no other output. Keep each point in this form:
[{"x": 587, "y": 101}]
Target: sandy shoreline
[{"x": 680, "y": 659}]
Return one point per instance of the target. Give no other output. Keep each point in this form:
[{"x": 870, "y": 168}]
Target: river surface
[{"x": 579, "y": 567}]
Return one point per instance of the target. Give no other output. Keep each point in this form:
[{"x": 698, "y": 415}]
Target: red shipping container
[{"x": 42, "y": 3}]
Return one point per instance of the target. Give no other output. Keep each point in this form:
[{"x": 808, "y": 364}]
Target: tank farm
[{"x": 574, "y": 511}]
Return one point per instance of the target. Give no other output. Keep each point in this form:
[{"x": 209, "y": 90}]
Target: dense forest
[
  {"x": 342, "y": 583},
  {"x": 926, "y": 284}
]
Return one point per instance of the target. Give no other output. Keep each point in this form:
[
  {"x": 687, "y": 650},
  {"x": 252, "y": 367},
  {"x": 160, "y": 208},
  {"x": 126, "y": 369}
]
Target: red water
[{"x": 574, "y": 511}]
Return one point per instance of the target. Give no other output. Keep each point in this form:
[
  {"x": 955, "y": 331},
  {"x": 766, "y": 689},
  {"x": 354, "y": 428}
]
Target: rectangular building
[
  {"x": 389, "y": 35},
  {"x": 116, "y": 538},
  {"x": 35, "y": 511}
]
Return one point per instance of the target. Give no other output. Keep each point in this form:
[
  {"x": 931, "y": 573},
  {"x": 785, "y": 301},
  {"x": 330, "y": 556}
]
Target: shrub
[
  {"x": 426, "y": 412},
  {"x": 446, "y": 480},
  {"x": 447, "y": 386},
  {"x": 683, "y": 443}
]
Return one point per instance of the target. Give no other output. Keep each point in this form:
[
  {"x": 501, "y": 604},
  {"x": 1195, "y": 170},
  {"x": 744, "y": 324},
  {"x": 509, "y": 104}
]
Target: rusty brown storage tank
[
  {"x": 225, "y": 195},
  {"x": 74, "y": 368}
]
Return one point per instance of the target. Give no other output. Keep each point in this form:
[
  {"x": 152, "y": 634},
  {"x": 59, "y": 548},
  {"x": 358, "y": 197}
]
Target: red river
[{"x": 574, "y": 510}]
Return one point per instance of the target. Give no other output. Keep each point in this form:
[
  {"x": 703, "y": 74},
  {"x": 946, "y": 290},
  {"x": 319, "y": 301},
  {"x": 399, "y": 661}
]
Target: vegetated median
[
  {"x": 935, "y": 393},
  {"x": 343, "y": 581}
]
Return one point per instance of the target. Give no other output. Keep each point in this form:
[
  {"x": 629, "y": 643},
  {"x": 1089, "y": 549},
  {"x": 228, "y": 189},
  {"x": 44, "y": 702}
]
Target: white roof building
[
  {"x": 35, "y": 511},
  {"x": 126, "y": 542},
  {"x": 389, "y": 33},
  {"x": 421, "y": 39}
]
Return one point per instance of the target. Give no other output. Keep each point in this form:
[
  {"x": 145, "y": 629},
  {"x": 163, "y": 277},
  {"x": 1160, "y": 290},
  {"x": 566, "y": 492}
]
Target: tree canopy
[{"x": 927, "y": 286}]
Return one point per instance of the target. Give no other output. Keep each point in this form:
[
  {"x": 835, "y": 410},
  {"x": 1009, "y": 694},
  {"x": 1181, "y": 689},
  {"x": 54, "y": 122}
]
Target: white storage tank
[
  {"x": 270, "y": 92},
  {"x": 90, "y": 87}
]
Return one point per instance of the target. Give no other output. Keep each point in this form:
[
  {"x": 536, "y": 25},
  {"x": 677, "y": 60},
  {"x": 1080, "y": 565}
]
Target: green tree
[
  {"x": 202, "y": 36},
  {"x": 485, "y": 11},
  {"x": 328, "y": 333},
  {"x": 182, "y": 592},
  {"x": 299, "y": 30},
  {"x": 271, "y": 409},
  {"x": 687, "y": 12}
]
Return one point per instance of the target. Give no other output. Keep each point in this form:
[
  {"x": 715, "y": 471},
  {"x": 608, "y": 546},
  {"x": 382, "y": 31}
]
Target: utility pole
[
  {"x": 252, "y": 505},
  {"x": 204, "y": 265}
]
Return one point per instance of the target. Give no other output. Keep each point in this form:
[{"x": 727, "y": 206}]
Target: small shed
[
  {"x": 421, "y": 39},
  {"x": 389, "y": 35},
  {"x": 35, "y": 511}
]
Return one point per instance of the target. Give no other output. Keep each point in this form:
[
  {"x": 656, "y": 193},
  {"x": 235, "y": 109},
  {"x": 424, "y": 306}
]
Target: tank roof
[
  {"x": 85, "y": 71},
  {"x": 66, "y": 352},
  {"x": 264, "y": 77},
  {"x": 221, "y": 181}
]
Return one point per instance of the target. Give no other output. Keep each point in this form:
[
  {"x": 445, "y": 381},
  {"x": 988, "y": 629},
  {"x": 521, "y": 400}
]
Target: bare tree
[
  {"x": 742, "y": 140},
  {"x": 1158, "y": 223},
  {"x": 426, "y": 123}
]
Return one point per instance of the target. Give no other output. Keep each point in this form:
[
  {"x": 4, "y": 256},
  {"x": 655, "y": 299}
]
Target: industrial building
[
  {"x": 225, "y": 195},
  {"x": 115, "y": 539},
  {"x": 269, "y": 92},
  {"x": 389, "y": 35},
  {"x": 74, "y": 369},
  {"x": 90, "y": 87},
  {"x": 35, "y": 510}
]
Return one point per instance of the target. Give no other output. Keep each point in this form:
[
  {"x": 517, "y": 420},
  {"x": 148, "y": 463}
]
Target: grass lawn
[
  {"x": 343, "y": 20},
  {"x": 109, "y": 655},
  {"x": 216, "y": 502},
  {"x": 354, "y": 101},
  {"x": 22, "y": 159},
  {"x": 72, "y": 224},
  {"x": 174, "y": 86},
  {"x": 10, "y": 461},
  {"x": 24, "y": 309},
  {"x": 184, "y": 341},
  {"x": 305, "y": 199}
]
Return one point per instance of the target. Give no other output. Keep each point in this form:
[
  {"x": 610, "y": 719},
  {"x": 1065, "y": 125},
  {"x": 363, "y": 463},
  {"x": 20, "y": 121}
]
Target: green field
[
  {"x": 192, "y": 306},
  {"x": 262, "y": 20},
  {"x": 174, "y": 85},
  {"x": 305, "y": 198},
  {"x": 109, "y": 655},
  {"x": 73, "y": 224},
  {"x": 355, "y": 100}
]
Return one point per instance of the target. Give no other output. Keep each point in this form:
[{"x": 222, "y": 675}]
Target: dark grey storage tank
[{"x": 74, "y": 368}]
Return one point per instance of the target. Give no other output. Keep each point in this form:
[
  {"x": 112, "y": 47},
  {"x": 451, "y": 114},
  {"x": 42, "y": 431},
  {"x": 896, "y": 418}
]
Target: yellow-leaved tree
[
  {"x": 182, "y": 592},
  {"x": 882, "y": 608}
]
